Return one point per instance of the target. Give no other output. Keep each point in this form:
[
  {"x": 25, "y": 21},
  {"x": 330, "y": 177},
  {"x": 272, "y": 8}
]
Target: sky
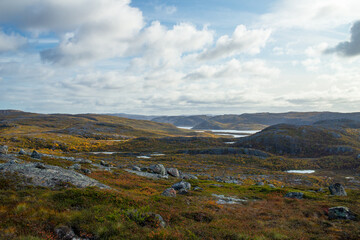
[{"x": 179, "y": 57}]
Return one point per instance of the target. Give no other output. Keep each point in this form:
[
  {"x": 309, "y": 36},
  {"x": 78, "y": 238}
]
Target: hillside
[
  {"x": 182, "y": 121},
  {"x": 330, "y": 137}
]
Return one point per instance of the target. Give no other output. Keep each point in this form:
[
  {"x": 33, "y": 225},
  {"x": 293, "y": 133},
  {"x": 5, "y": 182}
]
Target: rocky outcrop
[
  {"x": 50, "y": 176},
  {"x": 341, "y": 213},
  {"x": 295, "y": 195},
  {"x": 4, "y": 149},
  {"x": 337, "y": 190}
]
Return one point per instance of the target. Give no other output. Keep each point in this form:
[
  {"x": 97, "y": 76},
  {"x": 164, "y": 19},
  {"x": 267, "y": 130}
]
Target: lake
[
  {"x": 301, "y": 171},
  {"x": 227, "y": 132}
]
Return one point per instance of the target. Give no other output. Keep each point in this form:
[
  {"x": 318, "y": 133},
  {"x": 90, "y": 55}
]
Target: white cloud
[
  {"x": 309, "y": 14},
  {"x": 10, "y": 42},
  {"x": 242, "y": 41}
]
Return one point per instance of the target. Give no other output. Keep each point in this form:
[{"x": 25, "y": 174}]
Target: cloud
[
  {"x": 10, "y": 42},
  {"x": 242, "y": 41},
  {"x": 349, "y": 48},
  {"x": 309, "y": 14},
  {"x": 169, "y": 10}
]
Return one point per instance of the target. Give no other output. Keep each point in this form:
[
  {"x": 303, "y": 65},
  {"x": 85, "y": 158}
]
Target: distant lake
[
  {"x": 227, "y": 132},
  {"x": 301, "y": 171}
]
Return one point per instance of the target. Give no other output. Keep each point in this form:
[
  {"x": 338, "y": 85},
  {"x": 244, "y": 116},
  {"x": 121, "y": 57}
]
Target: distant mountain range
[{"x": 246, "y": 121}]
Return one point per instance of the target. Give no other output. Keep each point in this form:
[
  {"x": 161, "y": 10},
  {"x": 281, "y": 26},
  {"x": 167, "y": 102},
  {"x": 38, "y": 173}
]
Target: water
[
  {"x": 227, "y": 132},
  {"x": 144, "y": 157},
  {"x": 106, "y": 153},
  {"x": 301, "y": 171}
]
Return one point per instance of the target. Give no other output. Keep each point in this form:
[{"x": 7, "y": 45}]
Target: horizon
[{"x": 180, "y": 57}]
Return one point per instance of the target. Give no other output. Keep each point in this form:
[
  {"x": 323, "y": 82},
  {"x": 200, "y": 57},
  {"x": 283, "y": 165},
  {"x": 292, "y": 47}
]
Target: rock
[
  {"x": 228, "y": 200},
  {"x": 271, "y": 186},
  {"x": 341, "y": 213},
  {"x": 158, "y": 169},
  {"x": 4, "y": 149},
  {"x": 65, "y": 233},
  {"x": 198, "y": 189},
  {"x": 50, "y": 176},
  {"x": 183, "y": 191},
  {"x": 188, "y": 176},
  {"x": 169, "y": 192},
  {"x": 76, "y": 166},
  {"x": 181, "y": 185},
  {"x": 22, "y": 152},
  {"x": 147, "y": 174},
  {"x": 297, "y": 195},
  {"x": 105, "y": 164},
  {"x": 136, "y": 168},
  {"x": 260, "y": 184},
  {"x": 173, "y": 172},
  {"x": 86, "y": 171},
  {"x": 36, "y": 155},
  {"x": 337, "y": 190},
  {"x": 146, "y": 219}
]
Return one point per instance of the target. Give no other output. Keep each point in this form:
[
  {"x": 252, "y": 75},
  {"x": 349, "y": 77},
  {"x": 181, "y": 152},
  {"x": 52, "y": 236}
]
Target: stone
[
  {"x": 188, "y": 176},
  {"x": 136, "y": 168},
  {"x": 182, "y": 185},
  {"x": 271, "y": 185},
  {"x": 76, "y": 166},
  {"x": 36, "y": 155},
  {"x": 341, "y": 213},
  {"x": 105, "y": 164},
  {"x": 198, "y": 189},
  {"x": 65, "y": 233},
  {"x": 4, "y": 149},
  {"x": 183, "y": 191},
  {"x": 297, "y": 195},
  {"x": 173, "y": 172},
  {"x": 169, "y": 192},
  {"x": 86, "y": 171},
  {"x": 158, "y": 169},
  {"x": 50, "y": 176},
  {"x": 337, "y": 190},
  {"x": 22, "y": 152},
  {"x": 260, "y": 184}
]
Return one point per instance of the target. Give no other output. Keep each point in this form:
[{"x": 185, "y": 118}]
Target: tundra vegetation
[{"x": 147, "y": 180}]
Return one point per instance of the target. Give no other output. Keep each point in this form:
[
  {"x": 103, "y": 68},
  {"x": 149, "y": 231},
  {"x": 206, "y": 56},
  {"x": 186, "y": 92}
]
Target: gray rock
[
  {"x": 148, "y": 175},
  {"x": 86, "y": 171},
  {"x": 136, "y": 168},
  {"x": 158, "y": 169},
  {"x": 198, "y": 189},
  {"x": 22, "y": 152},
  {"x": 169, "y": 192},
  {"x": 76, "y": 166},
  {"x": 221, "y": 199},
  {"x": 65, "y": 233},
  {"x": 337, "y": 190},
  {"x": 36, "y": 155},
  {"x": 4, "y": 149},
  {"x": 183, "y": 191},
  {"x": 271, "y": 186},
  {"x": 50, "y": 176},
  {"x": 173, "y": 172},
  {"x": 105, "y": 164},
  {"x": 297, "y": 195},
  {"x": 182, "y": 185},
  {"x": 260, "y": 184},
  {"x": 187, "y": 176},
  {"x": 341, "y": 213}
]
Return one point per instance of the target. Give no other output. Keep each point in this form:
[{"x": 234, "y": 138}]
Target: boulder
[
  {"x": 297, "y": 195},
  {"x": 158, "y": 169},
  {"x": 271, "y": 185},
  {"x": 187, "y": 176},
  {"x": 198, "y": 189},
  {"x": 337, "y": 190},
  {"x": 173, "y": 172},
  {"x": 4, "y": 149},
  {"x": 341, "y": 213},
  {"x": 22, "y": 152},
  {"x": 136, "y": 168},
  {"x": 169, "y": 192},
  {"x": 105, "y": 164},
  {"x": 182, "y": 185},
  {"x": 65, "y": 233},
  {"x": 36, "y": 155},
  {"x": 183, "y": 191},
  {"x": 76, "y": 166}
]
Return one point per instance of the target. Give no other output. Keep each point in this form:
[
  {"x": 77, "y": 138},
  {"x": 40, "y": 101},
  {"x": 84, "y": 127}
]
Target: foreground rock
[
  {"x": 341, "y": 213},
  {"x": 337, "y": 190},
  {"x": 169, "y": 192},
  {"x": 50, "y": 176},
  {"x": 296, "y": 195},
  {"x": 173, "y": 172},
  {"x": 4, "y": 149},
  {"x": 181, "y": 185},
  {"x": 158, "y": 169}
]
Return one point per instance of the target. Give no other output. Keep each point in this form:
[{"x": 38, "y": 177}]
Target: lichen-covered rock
[
  {"x": 158, "y": 169},
  {"x": 22, "y": 152},
  {"x": 337, "y": 190},
  {"x": 341, "y": 213},
  {"x": 297, "y": 195},
  {"x": 50, "y": 176},
  {"x": 4, "y": 149},
  {"x": 182, "y": 185},
  {"x": 169, "y": 192},
  {"x": 35, "y": 155},
  {"x": 76, "y": 166},
  {"x": 173, "y": 172},
  {"x": 65, "y": 233}
]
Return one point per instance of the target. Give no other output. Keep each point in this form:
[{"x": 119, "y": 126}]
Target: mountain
[
  {"x": 133, "y": 116},
  {"x": 182, "y": 121},
  {"x": 329, "y": 137}
]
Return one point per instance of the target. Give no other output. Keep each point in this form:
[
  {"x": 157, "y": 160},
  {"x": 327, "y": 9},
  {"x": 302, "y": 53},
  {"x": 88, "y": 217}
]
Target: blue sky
[{"x": 179, "y": 56}]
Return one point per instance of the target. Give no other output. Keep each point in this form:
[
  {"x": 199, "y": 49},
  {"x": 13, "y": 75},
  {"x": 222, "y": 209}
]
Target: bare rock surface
[{"x": 50, "y": 176}]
